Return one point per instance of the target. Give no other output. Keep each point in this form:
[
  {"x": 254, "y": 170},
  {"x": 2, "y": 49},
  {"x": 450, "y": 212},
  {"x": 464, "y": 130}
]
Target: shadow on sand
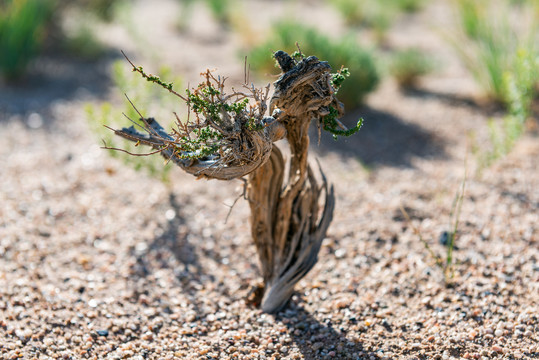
[
  {"x": 306, "y": 331},
  {"x": 383, "y": 140},
  {"x": 308, "y": 334},
  {"x": 171, "y": 240},
  {"x": 174, "y": 241}
]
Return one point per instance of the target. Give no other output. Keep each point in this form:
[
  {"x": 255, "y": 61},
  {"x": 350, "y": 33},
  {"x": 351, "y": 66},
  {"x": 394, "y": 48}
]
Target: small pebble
[
  {"x": 340, "y": 253},
  {"x": 147, "y": 336},
  {"x": 102, "y": 332}
]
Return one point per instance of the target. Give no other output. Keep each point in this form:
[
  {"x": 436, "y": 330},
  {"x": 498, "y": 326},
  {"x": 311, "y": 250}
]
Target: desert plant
[
  {"x": 521, "y": 87},
  {"x": 408, "y": 65},
  {"x": 364, "y": 74},
  {"x": 229, "y": 136},
  {"x": 490, "y": 40},
  {"x": 23, "y": 25},
  {"x": 471, "y": 15},
  {"x": 28, "y": 26},
  {"x": 502, "y": 54}
]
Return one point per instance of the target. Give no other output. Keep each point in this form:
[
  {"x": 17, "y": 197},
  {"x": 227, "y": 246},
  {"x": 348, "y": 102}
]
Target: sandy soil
[{"x": 98, "y": 261}]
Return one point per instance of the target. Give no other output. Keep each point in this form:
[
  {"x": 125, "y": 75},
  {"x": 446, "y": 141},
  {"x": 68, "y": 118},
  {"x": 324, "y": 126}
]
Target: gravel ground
[{"x": 98, "y": 261}]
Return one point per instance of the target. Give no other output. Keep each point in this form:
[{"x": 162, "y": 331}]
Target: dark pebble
[
  {"x": 444, "y": 238},
  {"x": 102, "y": 332}
]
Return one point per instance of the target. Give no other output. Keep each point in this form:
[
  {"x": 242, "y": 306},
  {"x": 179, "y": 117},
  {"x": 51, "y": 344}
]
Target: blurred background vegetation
[
  {"x": 23, "y": 30},
  {"x": 500, "y": 50},
  {"x": 30, "y": 27}
]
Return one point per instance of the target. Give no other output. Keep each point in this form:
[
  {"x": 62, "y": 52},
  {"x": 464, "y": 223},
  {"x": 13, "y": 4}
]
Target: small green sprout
[
  {"x": 330, "y": 122},
  {"x": 153, "y": 78},
  {"x": 334, "y": 126},
  {"x": 338, "y": 78},
  {"x": 297, "y": 55}
]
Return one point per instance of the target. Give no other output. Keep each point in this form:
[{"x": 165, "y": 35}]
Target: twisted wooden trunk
[{"x": 288, "y": 222}]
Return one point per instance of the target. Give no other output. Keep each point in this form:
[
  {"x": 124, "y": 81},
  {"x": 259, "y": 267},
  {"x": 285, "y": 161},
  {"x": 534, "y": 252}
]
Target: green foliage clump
[
  {"x": 338, "y": 78},
  {"x": 471, "y": 14},
  {"x": 27, "y": 26},
  {"x": 142, "y": 93},
  {"x": 284, "y": 35},
  {"x": 408, "y": 65},
  {"x": 23, "y": 25},
  {"x": 206, "y": 103},
  {"x": 521, "y": 89},
  {"x": 490, "y": 40},
  {"x": 499, "y": 45},
  {"x": 211, "y": 108},
  {"x": 330, "y": 122},
  {"x": 522, "y": 85},
  {"x": 205, "y": 142}
]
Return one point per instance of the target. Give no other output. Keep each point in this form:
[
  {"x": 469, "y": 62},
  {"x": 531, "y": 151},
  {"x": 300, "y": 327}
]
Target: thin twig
[
  {"x": 242, "y": 195},
  {"x": 144, "y": 75},
  {"x": 134, "y": 154}
]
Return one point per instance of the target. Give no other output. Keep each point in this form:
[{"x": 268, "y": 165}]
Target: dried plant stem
[{"x": 287, "y": 224}]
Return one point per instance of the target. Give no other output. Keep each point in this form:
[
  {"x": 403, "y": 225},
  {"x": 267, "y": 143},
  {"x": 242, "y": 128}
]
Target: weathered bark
[{"x": 287, "y": 224}]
